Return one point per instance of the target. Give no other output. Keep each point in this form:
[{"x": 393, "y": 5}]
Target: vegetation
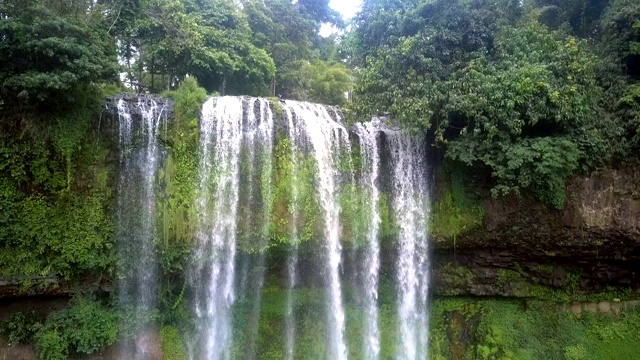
[
  {"x": 52, "y": 52},
  {"x": 178, "y": 177},
  {"x": 457, "y": 209},
  {"x": 526, "y": 94},
  {"x": 506, "y": 330},
  {"x": 21, "y": 327},
  {"x": 293, "y": 186},
  {"x": 308, "y": 67},
  {"x": 54, "y": 201},
  {"x": 172, "y": 344},
  {"x": 83, "y": 327}
]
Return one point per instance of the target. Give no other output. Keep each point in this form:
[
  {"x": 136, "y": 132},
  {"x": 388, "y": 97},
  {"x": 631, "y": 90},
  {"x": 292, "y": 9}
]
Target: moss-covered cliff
[{"x": 514, "y": 246}]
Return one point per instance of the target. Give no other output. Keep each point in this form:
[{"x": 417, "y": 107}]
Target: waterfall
[
  {"x": 258, "y": 144},
  {"x": 217, "y": 204},
  {"x": 281, "y": 188},
  {"x": 410, "y": 206},
  {"x": 229, "y": 133},
  {"x": 139, "y": 159},
  {"x": 370, "y": 167},
  {"x": 293, "y": 135},
  {"x": 325, "y": 134}
]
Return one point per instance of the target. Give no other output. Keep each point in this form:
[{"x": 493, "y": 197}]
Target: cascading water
[
  {"x": 258, "y": 147},
  {"x": 325, "y": 134},
  {"x": 279, "y": 193},
  {"x": 228, "y": 134},
  {"x": 292, "y": 258},
  {"x": 217, "y": 204},
  {"x": 410, "y": 206},
  {"x": 370, "y": 167},
  {"x": 139, "y": 159}
]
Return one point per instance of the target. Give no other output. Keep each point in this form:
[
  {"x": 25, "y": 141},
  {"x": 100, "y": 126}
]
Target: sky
[{"x": 347, "y": 8}]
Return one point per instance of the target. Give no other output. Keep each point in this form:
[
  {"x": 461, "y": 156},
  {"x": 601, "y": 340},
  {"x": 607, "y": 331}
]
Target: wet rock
[
  {"x": 616, "y": 307},
  {"x": 51, "y": 286},
  {"x": 604, "y": 307},
  {"x": 576, "y": 309},
  {"x": 461, "y": 329},
  {"x": 590, "y": 307}
]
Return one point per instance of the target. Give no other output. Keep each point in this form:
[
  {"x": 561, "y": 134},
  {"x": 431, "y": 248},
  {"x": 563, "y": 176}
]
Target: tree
[
  {"x": 209, "y": 39},
  {"x": 621, "y": 43},
  {"x": 582, "y": 17},
  {"x": 519, "y": 103},
  {"x": 49, "y": 59},
  {"x": 228, "y": 61},
  {"x": 288, "y": 31}
]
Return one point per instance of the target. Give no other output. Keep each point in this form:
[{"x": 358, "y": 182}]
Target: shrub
[
  {"x": 82, "y": 327},
  {"x": 21, "y": 327},
  {"x": 51, "y": 345}
]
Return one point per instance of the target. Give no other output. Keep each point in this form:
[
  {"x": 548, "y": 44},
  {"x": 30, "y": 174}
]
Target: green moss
[
  {"x": 276, "y": 106},
  {"x": 514, "y": 283},
  {"x": 293, "y": 192},
  {"x": 355, "y": 214},
  {"x": 456, "y": 211},
  {"x": 173, "y": 346},
  {"x": 178, "y": 179},
  {"x": 388, "y": 228},
  {"x": 457, "y": 277}
]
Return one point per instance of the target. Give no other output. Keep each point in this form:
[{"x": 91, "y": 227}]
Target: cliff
[{"x": 521, "y": 248}]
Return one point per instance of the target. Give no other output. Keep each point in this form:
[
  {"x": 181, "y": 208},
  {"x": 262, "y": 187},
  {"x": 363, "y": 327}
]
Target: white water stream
[
  {"x": 140, "y": 155},
  {"x": 213, "y": 271},
  {"x": 322, "y": 132},
  {"x": 410, "y": 206},
  {"x": 370, "y": 167}
]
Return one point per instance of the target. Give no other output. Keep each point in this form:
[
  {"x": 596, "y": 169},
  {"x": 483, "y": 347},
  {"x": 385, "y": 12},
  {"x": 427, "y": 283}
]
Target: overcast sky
[{"x": 348, "y": 8}]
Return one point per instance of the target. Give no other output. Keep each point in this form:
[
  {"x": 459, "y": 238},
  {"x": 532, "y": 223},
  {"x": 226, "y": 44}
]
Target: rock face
[
  {"x": 52, "y": 286},
  {"x": 524, "y": 249}
]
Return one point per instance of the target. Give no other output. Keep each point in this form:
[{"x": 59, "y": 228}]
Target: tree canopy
[
  {"x": 51, "y": 53},
  {"x": 519, "y": 91}
]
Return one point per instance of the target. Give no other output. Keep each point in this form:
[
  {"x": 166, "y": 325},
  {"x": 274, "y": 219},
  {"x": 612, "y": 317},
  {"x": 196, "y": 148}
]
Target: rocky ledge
[{"x": 524, "y": 249}]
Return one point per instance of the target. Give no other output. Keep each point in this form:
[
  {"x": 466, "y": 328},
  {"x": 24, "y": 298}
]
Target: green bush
[
  {"x": 51, "y": 345},
  {"x": 83, "y": 327},
  {"x": 21, "y": 327},
  {"x": 506, "y": 329}
]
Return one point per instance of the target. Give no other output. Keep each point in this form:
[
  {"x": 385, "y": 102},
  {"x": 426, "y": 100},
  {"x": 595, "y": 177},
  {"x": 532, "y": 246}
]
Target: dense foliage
[
  {"x": 251, "y": 47},
  {"x": 83, "y": 327},
  {"x": 50, "y": 52},
  {"x": 527, "y": 94},
  {"x": 54, "y": 200}
]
